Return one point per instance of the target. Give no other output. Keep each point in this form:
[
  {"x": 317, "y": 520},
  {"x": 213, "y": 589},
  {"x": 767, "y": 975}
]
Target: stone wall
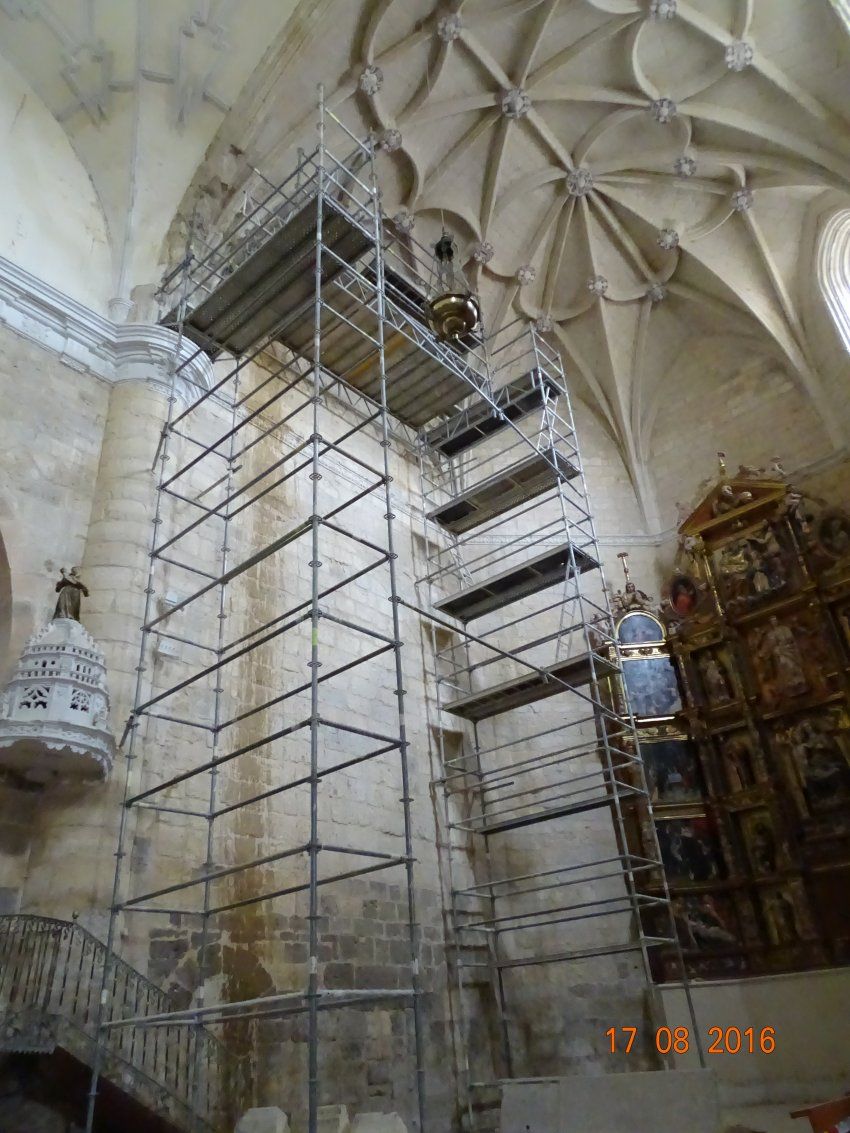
[
  {"x": 809, "y": 1064},
  {"x": 254, "y": 950},
  {"x": 50, "y": 439},
  {"x": 52, "y": 221},
  {"x": 727, "y": 399},
  {"x": 51, "y": 429},
  {"x": 71, "y": 496}
]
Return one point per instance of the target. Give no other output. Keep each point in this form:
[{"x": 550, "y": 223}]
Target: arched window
[
  {"x": 5, "y": 605},
  {"x": 834, "y": 267},
  {"x": 842, "y": 7}
]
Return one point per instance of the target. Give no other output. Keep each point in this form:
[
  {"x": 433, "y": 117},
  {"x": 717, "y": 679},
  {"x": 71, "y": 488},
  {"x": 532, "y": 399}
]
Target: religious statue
[
  {"x": 70, "y": 588},
  {"x": 780, "y": 654},
  {"x": 773, "y": 471},
  {"x": 797, "y": 511},
  {"x": 735, "y": 568},
  {"x": 754, "y": 567},
  {"x": 821, "y": 768},
  {"x": 736, "y": 756},
  {"x": 728, "y": 500},
  {"x": 834, "y": 534},
  {"x": 631, "y": 598},
  {"x": 781, "y": 915},
  {"x": 756, "y": 573},
  {"x": 714, "y": 680},
  {"x": 762, "y": 847},
  {"x": 773, "y": 561}
]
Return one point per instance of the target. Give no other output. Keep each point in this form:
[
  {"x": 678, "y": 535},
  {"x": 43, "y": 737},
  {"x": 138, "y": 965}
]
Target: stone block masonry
[
  {"x": 364, "y": 943},
  {"x": 71, "y": 495}
]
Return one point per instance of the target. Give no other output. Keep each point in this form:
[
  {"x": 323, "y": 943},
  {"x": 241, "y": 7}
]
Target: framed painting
[
  {"x": 652, "y": 687},
  {"x": 639, "y": 629},
  {"x": 673, "y": 772},
  {"x": 718, "y": 687},
  {"x": 816, "y": 748},
  {"x": 684, "y": 595},
  {"x": 758, "y": 835},
  {"x": 690, "y": 849},
  {"x": 785, "y": 914},
  {"x": 832, "y": 533},
  {"x": 793, "y": 658},
  {"x": 738, "y": 770},
  {"x": 706, "y": 922}
]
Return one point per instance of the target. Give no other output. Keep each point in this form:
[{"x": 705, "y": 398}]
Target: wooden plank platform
[
  {"x": 275, "y": 282},
  {"x": 545, "y": 815},
  {"x": 528, "y": 688},
  {"x": 516, "y": 485},
  {"x": 544, "y": 570},
  {"x": 275, "y": 287},
  {"x": 419, "y": 385},
  {"x": 481, "y": 420}
]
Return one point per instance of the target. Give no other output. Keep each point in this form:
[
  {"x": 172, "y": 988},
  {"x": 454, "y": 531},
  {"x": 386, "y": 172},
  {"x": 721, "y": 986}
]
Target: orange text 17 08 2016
[{"x": 677, "y": 1040}]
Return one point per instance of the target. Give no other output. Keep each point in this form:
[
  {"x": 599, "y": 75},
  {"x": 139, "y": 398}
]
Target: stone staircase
[{"x": 51, "y": 976}]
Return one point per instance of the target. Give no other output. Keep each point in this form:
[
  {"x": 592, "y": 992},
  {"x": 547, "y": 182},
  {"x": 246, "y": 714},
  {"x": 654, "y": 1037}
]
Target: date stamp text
[{"x": 678, "y": 1040}]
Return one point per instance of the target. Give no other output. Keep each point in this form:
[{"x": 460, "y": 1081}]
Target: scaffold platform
[
  {"x": 503, "y": 491},
  {"x": 481, "y": 420},
  {"x": 270, "y": 297},
  {"x": 563, "y": 676},
  {"x": 533, "y": 575}
]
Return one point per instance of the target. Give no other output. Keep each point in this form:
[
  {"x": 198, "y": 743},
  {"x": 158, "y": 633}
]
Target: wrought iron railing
[{"x": 51, "y": 975}]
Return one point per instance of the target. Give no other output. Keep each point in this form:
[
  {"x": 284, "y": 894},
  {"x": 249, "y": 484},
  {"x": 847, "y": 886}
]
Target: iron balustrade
[{"x": 51, "y": 973}]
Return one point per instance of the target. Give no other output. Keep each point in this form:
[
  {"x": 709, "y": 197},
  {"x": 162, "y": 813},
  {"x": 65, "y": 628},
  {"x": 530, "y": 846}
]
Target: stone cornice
[{"x": 90, "y": 343}]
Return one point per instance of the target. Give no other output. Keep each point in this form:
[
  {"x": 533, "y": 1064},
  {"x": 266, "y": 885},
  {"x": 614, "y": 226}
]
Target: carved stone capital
[
  {"x": 90, "y": 343},
  {"x": 150, "y": 354}
]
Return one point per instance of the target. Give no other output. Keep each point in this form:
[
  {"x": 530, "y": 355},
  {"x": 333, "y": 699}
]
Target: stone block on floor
[
  {"x": 268, "y": 1119},
  {"x": 333, "y": 1119},
  {"x": 378, "y": 1123}
]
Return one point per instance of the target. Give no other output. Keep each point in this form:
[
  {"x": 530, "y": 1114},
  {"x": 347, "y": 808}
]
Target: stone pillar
[
  {"x": 115, "y": 564},
  {"x": 71, "y": 869}
]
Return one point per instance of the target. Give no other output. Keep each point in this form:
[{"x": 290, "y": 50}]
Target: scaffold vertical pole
[{"x": 406, "y": 800}]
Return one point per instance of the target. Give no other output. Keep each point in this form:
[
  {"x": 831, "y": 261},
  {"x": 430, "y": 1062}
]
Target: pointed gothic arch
[
  {"x": 842, "y": 7},
  {"x": 5, "y": 603},
  {"x": 834, "y": 271}
]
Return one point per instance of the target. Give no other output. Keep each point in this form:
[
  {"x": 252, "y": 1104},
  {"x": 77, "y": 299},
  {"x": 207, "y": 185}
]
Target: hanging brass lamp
[{"x": 452, "y": 310}]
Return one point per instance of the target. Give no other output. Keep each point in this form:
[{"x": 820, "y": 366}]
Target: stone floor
[{"x": 763, "y": 1119}]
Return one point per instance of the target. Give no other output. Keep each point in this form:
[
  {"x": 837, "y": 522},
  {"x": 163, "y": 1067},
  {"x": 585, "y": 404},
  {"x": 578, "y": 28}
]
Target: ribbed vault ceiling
[
  {"x": 627, "y": 174},
  {"x": 630, "y": 174}
]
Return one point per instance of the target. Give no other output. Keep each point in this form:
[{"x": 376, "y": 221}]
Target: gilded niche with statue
[{"x": 742, "y": 711}]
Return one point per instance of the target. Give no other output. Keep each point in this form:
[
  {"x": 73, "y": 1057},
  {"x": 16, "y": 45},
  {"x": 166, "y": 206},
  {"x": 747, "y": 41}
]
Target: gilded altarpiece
[{"x": 742, "y": 711}]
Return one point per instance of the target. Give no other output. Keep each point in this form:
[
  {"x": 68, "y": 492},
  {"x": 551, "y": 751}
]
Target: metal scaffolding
[
  {"x": 519, "y": 613},
  {"x": 252, "y": 472},
  {"x": 304, "y": 269}
]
